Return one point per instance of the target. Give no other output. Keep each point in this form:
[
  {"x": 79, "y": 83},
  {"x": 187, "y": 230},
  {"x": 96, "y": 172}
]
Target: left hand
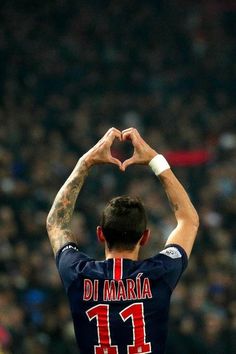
[
  {"x": 143, "y": 153},
  {"x": 101, "y": 152}
]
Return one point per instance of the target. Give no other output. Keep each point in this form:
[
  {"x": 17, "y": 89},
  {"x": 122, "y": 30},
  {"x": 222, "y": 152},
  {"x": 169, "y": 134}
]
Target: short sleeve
[
  {"x": 175, "y": 261},
  {"x": 70, "y": 262}
]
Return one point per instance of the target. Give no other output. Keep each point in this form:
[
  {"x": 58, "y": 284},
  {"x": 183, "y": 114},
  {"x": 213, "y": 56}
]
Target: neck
[{"x": 133, "y": 255}]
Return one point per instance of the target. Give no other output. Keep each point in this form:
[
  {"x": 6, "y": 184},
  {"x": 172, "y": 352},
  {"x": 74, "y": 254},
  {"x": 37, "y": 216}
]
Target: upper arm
[
  {"x": 70, "y": 263},
  {"x": 184, "y": 235},
  {"x": 59, "y": 237},
  {"x": 173, "y": 260},
  {"x": 186, "y": 215}
]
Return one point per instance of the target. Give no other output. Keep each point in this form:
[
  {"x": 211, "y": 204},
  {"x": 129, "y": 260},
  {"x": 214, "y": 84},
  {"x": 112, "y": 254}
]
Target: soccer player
[{"x": 120, "y": 305}]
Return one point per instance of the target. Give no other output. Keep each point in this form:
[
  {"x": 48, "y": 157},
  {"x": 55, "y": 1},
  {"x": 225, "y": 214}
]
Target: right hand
[
  {"x": 143, "y": 153},
  {"x": 101, "y": 152}
]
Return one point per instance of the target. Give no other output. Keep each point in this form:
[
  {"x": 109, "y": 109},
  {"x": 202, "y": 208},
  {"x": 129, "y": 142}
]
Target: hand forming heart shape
[{"x": 101, "y": 152}]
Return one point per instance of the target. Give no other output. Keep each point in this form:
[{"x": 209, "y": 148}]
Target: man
[{"x": 121, "y": 305}]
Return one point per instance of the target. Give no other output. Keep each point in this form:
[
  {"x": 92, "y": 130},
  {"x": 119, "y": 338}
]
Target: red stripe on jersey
[{"x": 117, "y": 268}]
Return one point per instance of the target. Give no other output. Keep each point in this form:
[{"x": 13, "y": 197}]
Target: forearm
[
  {"x": 183, "y": 208},
  {"x": 60, "y": 215}
]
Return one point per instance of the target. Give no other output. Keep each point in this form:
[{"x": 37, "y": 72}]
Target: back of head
[{"x": 123, "y": 222}]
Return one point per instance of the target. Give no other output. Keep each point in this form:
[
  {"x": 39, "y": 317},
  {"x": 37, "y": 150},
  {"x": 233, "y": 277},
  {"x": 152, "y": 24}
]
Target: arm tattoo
[
  {"x": 175, "y": 207},
  {"x": 60, "y": 215}
]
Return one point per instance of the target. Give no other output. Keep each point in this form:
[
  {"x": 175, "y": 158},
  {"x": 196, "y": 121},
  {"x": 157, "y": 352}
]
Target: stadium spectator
[{"x": 70, "y": 70}]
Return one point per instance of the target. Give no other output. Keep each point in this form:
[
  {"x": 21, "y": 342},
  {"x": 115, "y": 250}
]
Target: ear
[
  {"x": 145, "y": 238},
  {"x": 100, "y": 235}
]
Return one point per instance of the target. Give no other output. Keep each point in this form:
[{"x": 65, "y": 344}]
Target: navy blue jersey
[{"x": 120, "y": 306}]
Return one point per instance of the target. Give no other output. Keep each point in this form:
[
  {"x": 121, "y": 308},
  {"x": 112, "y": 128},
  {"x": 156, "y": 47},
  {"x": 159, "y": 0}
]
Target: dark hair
[{"x": 123, "y": 222}]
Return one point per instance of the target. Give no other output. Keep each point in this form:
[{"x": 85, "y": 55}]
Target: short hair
[{"x": 123, "y": 222}]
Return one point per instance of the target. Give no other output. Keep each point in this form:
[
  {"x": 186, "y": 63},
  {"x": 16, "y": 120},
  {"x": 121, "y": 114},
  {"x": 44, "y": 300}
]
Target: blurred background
[{"x": 71, "y": 69}]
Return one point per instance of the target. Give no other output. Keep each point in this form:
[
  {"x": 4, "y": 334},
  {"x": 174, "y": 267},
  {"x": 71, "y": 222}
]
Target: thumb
[
  {"x": 115, "y": 161},
  {"x": 127, "y": 163}
]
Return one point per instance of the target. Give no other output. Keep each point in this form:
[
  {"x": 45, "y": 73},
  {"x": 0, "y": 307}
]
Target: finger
[
  {"x": 115, "y": 161},
  {"x": 130, "y": 134},
  {"x": 116, "y": 133},
  {"x": 112, "y": 134},
  {"x": 128, "y": 162},
  {"x": 126, "y": 133},
  {"x": 126, "y": 136},
  {"x": 128, "y": 130},
  {"x": 114, "y": 129},
  {"x": 111, "y": 129}
]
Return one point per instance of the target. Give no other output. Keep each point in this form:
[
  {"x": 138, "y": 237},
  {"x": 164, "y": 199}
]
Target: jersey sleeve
[
  {"x": 70, "y": 263},
  {"x": 174, "y": 260}
]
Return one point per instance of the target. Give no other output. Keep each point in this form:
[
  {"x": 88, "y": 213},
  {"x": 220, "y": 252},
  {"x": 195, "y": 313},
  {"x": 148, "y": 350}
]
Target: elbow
[
  {"x": 191, "y": 220},
  {"x": 49, "y": 222},
  {"x": 194, "y": 220}
]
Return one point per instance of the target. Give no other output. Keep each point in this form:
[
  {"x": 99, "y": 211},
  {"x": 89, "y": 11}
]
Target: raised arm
[
  {"x": 186, "y": 216},
  {"x": 60, "y": 215}
]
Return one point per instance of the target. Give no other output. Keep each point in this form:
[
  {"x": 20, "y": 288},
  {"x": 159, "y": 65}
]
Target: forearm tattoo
[
  {"x": 175, "y": 207},
  {"x": 60, "y": 215}
]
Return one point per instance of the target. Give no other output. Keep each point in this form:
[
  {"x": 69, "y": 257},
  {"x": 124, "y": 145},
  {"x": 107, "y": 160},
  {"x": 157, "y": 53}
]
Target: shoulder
[
  {"x": 168, "y": 265},
  {"x": 172, "y": 253},
  {"x": 70, "y": 263},
  {"x": 70, "y": 253}
]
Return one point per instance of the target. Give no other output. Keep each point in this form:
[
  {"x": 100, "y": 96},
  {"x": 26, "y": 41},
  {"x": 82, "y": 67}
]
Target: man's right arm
[{"x": 186, "y": 216}]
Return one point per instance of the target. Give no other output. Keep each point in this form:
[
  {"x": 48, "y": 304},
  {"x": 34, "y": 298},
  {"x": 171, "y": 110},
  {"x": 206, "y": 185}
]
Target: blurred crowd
[{"x": 69, "y": 71}]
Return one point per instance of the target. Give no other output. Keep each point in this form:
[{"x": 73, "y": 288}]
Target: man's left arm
[{"x": 60, "y": 216}]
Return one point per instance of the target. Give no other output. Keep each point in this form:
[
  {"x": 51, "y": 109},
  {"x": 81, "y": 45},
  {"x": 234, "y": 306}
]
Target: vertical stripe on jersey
[{"x": 117, "y": 268}]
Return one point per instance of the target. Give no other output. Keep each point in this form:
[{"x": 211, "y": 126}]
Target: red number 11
[{"x": 136, "y": 313}]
